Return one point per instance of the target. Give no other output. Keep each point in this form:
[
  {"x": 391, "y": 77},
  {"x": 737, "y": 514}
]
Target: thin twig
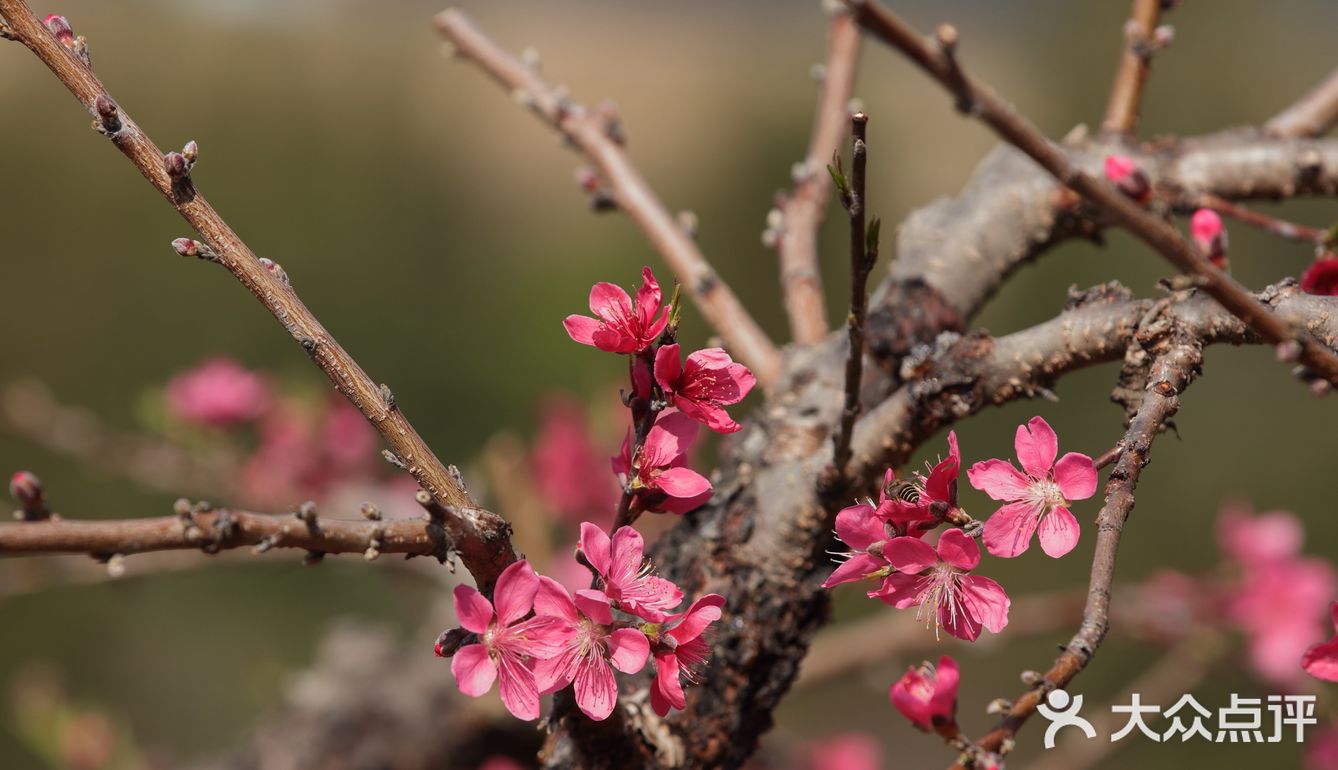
[
  {"x": 981, "y": 102},
  {"x": 1310, "y": 116},
  {"x": 1279, "y": 227},
  {"x": 589, "y": 132},
  {"x": 1175, "y": 366},
  {"x": 1127, "y": 93},
  {"x": 802, "y": 209},
  {"x": 221, "y": 529},
  {"x": 863, "y": 254},
  {"x": 483, "y": 537}
]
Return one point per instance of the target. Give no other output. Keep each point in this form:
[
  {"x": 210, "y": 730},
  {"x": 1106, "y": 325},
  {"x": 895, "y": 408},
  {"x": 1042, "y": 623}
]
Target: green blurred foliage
[{"x": 434, "y": 228}]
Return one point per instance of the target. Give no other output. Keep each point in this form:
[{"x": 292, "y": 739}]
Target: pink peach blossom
[
  {"x": 1037, "y": 500},
  {"x": 659, "y": 474},
  {"x": 1321, "y": 749},
  {"x": 679, "y": 652},
  {"x": 866, "y": 535},
  {"x": 588, "y": 648},
  {"x": 621, "y": 566},
  {"x": 218, "y": 392},
  {"x": 1321, "y": 660},
  {"x": 705, "y": 385},
  {"x": 621, "y": 327},
  {"x": 507, "y": 644},
  {"x": 927, "y": 695},
  {"x": 939, "y": 582}
]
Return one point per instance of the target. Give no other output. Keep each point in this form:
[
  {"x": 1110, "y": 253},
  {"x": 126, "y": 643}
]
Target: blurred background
[{"x": 435, "y": 229}]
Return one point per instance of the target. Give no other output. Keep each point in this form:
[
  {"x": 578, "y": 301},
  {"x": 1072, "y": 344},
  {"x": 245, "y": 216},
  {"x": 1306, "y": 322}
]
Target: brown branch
[
  {"x": 982, "y": 103},
  {"x": 481, "y": 538},
  {"x": 802, "y": 209},
  {"x": 1176, "y": 359},
  {"x": 1279, "y": 227},
  {"x": 863, "y": 255},
  {"x": 589, "y": 132},
  {"x": 221, "y": 529},
  {"x": 1127, "y": 93},
  {"x": 1312, "y": 115}
]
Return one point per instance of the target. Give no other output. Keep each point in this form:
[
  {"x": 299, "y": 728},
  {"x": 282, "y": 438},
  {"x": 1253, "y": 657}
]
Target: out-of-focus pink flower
[
  {"x": 1321, "y": 749},
  {"x": 507, "y": 643},
  {"x": 927, "y": 695},
  {"x": 705, "y": 385},
  {"x": 1037, "y": 500},
  {"x": 661, "y": 479},
  {"x": 939, "y": 582},
  {"x": 568, "y": 465},
  {"x": 218, "y": 392},
  {"x": 301, "y": 456},
  {"x": 589, "y": 647},
  {"x": 620, "y": 563},
  {"x": 501, "y": 763},
  {"x": 679, "y": 652},
  {"x": 1125, "y": 174},
  {"x": 845, "y": 751},
  {"x": 1255, "y": 540},
  {"x": 620, "y": 326},
  {"x": 1321, "y": 660},
  {"x": 1281, "y": 598},
  {"x": 1205, "y": 227},
  {"x": 1321, "y": 277}
]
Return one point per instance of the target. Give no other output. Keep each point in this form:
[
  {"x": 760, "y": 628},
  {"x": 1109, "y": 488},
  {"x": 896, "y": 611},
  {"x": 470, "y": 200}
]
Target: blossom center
[
  {"x": 1047, "y": 496},
  {"x": 940, "y": 596}
]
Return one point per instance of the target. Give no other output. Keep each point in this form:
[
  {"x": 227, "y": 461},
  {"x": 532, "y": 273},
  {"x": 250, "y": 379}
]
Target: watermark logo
[{"x": 1245, "y": 720}]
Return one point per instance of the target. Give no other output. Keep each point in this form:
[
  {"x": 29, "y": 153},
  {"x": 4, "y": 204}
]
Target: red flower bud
[
  {"x": 27, "y": 490},
  {"x": 176, "y": 165},
  {"x": 60, "y": 27},
  {"x": 187, "y": 247},
  {"x": 1125, "y": 174}
]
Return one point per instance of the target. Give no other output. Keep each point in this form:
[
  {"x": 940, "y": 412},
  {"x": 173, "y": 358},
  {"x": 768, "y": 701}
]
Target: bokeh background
[{"x": 434, "y": 227}]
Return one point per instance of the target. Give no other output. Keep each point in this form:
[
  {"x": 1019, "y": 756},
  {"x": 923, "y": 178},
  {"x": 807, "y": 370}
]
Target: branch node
[{"x": 108, "y": 116}]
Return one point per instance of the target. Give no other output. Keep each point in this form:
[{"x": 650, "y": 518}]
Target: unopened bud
[
  {"x": 586, "y": 179},
  {"x": 176, "y": 165},
  {"x": 60, "y": 27},
  {"x": 108, "y": 113},
  {"x": 306, "y": 512},
  {"x": 370, "y": 511},
  {"x": 1032, "y": 678},
  {"x": 1125, "y": 174},
  {"x": 188, "y": 247},
  {"x": 27, "y": 490},
  {"x": 998, "y": 706},
  {"x": 1288, "y": 350},
  {"x": 449, "y": 641},
  {"x": 1163, "y": 36},
  {"x": 191, "y": 152},
  {"x": 1320, "y": 388},
  {"x": 116, "y": 566},
  {"x": 1206, "y": 228},
  {"x": 276, "y": 269}
]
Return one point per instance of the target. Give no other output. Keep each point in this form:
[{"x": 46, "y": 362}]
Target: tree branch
[
  {"x": 802, "y": 209},
  {"x": 213, "y": 530},
  {"x": 982, "y": 103},
  {"x": 1127, "y": 93},
  {"x": 1311, "y": 115},
  {"x": 481, "y": 538},
  {"x": 1176, "y": 360},
  {"x": 588, "y": 132},
  {"x": 863, "y": 255}
]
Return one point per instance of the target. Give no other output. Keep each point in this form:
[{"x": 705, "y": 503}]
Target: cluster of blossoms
[
  {"x": 1209, "y": 234},
  {"x": 886, "y": 538},
  {"x": 886, "y": 542},
  {"x": 535, "y": 636}
]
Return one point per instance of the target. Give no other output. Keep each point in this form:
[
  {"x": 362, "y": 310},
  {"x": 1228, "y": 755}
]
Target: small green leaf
[{"x": 871, "y": 237}]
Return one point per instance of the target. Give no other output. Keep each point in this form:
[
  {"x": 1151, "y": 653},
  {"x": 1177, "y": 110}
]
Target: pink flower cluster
[
  {"x": 218, "y": 393},
  {"x": 676, "y": 394},
  {"x": 535, "y": 637},
  {"x": 886, "y": 542}
]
